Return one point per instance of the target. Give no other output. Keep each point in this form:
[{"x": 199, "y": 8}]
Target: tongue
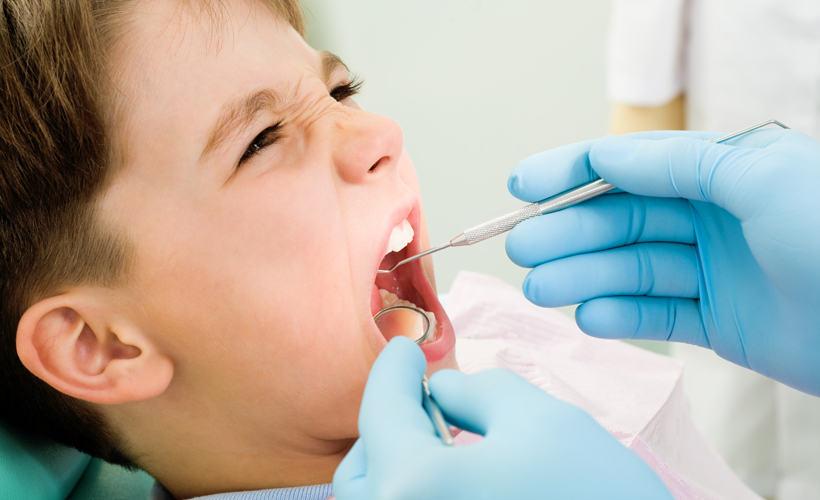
[{"x": 391, "y": 299}]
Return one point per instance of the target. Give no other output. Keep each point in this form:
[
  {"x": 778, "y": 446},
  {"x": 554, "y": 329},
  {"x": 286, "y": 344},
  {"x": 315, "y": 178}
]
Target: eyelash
[
  {"x": 273, "y": 133},
  {"x": 264, "y": 139},
  {"x": 347, "y": 90}
]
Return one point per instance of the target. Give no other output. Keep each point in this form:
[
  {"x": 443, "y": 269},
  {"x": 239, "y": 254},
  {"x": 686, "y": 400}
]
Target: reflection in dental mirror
[{"x": 403, "y": 321}]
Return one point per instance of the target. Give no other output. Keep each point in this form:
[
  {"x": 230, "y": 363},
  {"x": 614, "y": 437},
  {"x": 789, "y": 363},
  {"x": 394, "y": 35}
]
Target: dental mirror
[
  {"x": 413, "y": 323},
  {"x": 403, "y": 321}
]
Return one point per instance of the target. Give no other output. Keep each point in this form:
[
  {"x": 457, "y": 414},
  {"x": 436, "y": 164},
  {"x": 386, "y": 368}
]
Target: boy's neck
[{"x": 209, "y": 473}]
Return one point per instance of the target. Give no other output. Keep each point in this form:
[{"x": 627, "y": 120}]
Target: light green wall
[{"x": 476, "y": 85}]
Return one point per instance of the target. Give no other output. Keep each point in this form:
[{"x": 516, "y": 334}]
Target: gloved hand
[
  {"x": 711, "y": 244},
  {"x": 534, "y": 447}
]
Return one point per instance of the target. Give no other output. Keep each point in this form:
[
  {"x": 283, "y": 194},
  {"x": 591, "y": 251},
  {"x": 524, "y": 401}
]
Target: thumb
[
  {"x": 479, "y": 403},
  {"x": 681, "y": 167},
  {"x": 392, "y": 400}
]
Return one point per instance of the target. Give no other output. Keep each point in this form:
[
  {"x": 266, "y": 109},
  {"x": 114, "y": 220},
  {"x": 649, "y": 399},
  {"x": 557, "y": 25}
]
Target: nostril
[{"x": 376, "y": 165}]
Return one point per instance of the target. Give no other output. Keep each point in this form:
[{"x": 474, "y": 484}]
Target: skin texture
[{"x": 241, "y": 340}]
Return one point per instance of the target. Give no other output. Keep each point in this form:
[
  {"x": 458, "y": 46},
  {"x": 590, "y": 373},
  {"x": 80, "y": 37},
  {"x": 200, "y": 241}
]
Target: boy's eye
[
  {"x": 264, "y": 139},
  {"x": 346, "y": 90},
  {"x": 273, "y": 133}
]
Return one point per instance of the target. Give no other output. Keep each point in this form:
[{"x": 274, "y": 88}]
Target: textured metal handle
[
  {"x": 495, "y": 226},
  {"x": 559, "y": 202}
]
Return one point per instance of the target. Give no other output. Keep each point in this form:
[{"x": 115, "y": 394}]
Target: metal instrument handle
[
  {"x": 495, "y": 226},
  {"x": 561, "y": 201},
  {"x": 574, "y": 196},
  {"x": 506, "y": 222}
]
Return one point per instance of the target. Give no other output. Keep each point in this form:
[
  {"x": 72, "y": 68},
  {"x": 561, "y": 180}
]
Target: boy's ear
[{"x": 75, "y": 343}]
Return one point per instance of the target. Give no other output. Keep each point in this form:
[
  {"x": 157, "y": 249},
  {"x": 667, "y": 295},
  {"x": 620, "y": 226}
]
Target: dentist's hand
[
  {"x": 534, "y": 447},
  {"x": 712, "y": 244}
]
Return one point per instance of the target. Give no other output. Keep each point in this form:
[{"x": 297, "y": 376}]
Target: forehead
[
  {"x": 197, "y": 29},
  {"x": 175, "y": 63}
]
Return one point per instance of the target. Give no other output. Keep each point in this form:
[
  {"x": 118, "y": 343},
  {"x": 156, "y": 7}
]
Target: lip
[{"x": 444, "y": 341}]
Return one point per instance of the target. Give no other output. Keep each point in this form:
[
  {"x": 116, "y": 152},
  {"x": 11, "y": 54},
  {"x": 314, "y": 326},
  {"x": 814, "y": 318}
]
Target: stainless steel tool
[
  {"x": 561, "y": 201},
  {"x": 412, "y": 322}
]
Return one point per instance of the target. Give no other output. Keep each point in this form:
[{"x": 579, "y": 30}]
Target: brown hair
[{"x": 54, "y": 161}]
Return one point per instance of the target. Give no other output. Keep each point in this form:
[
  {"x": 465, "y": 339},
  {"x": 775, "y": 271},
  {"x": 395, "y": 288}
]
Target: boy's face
[{"x": 260, "y": 208}]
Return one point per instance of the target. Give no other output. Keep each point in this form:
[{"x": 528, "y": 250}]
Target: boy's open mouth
[{"x": 409, "y": 283}]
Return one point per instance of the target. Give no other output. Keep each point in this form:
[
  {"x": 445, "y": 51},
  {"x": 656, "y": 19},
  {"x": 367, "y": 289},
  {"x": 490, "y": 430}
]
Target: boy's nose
[{"x": 368, "y": 144}]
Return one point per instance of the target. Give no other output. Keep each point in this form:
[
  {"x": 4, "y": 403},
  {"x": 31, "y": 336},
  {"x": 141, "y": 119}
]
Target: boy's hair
[{"x": 55, "y": 160}]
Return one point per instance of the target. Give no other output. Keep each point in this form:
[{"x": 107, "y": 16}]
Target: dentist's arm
[
  {"x": 626, "y": 117},
  {"x": 712, "y": 244},
  {"x": 534, "y": 447}
]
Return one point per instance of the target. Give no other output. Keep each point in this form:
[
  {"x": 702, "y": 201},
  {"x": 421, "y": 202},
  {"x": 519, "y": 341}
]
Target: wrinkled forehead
[{"x": 176, "y": 63}]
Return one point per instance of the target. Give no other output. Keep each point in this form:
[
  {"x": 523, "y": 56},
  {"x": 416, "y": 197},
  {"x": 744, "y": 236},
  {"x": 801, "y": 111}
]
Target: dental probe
[{"x": 558, "y": 202}]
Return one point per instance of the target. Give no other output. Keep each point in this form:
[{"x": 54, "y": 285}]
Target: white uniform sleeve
[{"x": 646, "y": 51}]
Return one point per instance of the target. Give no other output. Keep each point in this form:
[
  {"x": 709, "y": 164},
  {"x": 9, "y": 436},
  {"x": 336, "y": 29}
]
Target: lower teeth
[{"x": 390, "y": 299}]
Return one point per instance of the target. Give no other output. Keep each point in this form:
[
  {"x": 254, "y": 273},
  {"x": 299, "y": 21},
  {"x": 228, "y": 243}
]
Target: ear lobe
[{"x": 76, "y": 346}]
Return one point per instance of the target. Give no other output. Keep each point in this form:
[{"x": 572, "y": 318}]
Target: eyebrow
[
  {"x": 330, "y": 63},
  {"x": 239, "y": 114}
]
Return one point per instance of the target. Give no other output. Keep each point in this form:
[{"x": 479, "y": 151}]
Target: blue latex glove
[
  {"x": 535, "y": 446},
  {"x": 717, "y": 245}
]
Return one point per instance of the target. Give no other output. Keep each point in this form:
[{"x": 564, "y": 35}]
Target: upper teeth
[{"x": 400, "y": 237}]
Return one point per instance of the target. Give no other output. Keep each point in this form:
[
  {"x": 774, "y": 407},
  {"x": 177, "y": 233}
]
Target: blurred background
[{"x": 476, "y": 85}]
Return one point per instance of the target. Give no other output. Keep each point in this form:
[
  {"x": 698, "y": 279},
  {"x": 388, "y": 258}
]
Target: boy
[
  {"x": 194, "y": 210},
  {"x": 193, "y": 213}
]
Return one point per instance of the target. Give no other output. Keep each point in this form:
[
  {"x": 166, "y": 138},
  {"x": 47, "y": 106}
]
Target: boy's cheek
[{"x": 327, "y": 388}]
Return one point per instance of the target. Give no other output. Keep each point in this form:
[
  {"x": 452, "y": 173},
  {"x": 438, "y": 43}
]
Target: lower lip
[
  {"x": 445, "y": 339},
  {"x": 438, "y": 348}
]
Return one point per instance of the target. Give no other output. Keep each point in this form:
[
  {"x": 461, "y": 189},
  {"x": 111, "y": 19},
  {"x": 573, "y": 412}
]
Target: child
[
  {"x": 194, "y": 210},
  {"x": 193, "y": 213}
]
